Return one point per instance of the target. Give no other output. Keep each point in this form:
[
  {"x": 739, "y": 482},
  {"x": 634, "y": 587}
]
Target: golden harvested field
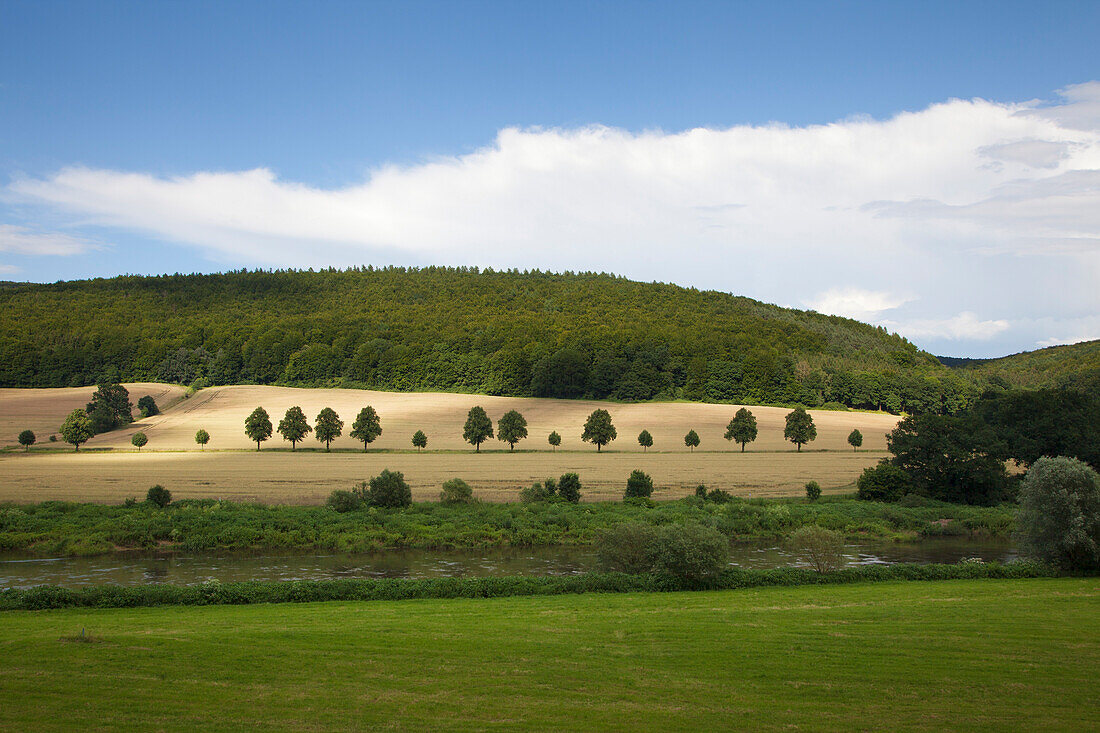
[{"x": 230, "y": 467}]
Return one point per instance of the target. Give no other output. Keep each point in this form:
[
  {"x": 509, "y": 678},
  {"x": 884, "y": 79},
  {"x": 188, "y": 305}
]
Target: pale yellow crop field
[{"x": 230, "y": 467}]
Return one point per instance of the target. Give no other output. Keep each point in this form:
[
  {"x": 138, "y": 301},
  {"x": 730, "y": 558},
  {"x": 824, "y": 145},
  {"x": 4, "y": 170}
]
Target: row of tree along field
[{"x": 501, "y": 333}]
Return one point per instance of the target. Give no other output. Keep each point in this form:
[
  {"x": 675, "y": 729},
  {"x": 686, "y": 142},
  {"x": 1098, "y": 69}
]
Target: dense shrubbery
[
  {"x": 538, "y": 334},
  {"x": 158, "y": 496},
  {"x": 61, "y": 528},
  {"x": 884, "y": 482},
  {"x": 371, "y": 589},
  {"x": 638, "y": 485},
  {"x": 456, "y": 491},
  {"x": 1059, "y": 519}
]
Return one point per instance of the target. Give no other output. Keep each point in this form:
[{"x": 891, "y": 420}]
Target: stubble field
[{"x": 108, "y": 469}]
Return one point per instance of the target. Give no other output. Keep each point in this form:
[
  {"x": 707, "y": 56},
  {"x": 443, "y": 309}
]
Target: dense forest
[
  {"x": 1074, "y": 367},
  {"x": 509, "y": 333}
]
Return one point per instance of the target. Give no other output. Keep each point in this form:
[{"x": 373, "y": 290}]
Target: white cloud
[
  {"x": 863, "y": 305},
  {"x": 8, "y": 269},
  {"x": 966, "y": 326},
  {"x": 967, "y": 205},
  {"x": 20, "y": 240}
]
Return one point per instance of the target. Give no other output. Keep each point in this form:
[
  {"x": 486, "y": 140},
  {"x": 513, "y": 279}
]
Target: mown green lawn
[{"x": 952, "y": 655}]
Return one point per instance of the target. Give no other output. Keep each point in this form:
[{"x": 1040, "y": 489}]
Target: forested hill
[
  {"x": 1073, "y": 366},
  {"x": 511, "y": 333}
]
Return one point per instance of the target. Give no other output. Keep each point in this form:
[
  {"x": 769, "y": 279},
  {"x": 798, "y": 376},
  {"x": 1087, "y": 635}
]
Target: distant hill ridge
[{"x": 462, "y": 329}]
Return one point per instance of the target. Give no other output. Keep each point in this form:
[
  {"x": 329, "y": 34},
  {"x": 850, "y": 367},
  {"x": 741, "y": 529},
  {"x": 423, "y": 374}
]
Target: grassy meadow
[
  {"x": 109, "y": 469},
  {"x": 948, "y": 655}
]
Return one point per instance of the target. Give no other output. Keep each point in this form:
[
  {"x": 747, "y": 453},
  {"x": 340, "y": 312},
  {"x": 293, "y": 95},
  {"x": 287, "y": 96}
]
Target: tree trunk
[
  {"x": 742, "y": 447},
  {"x": 799, "y": 447}
]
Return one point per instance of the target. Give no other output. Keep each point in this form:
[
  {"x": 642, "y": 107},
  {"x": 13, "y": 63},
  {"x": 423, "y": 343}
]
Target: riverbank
[
  {"x": 75, "y": 529},
  {"x": 951, "y": 655}
]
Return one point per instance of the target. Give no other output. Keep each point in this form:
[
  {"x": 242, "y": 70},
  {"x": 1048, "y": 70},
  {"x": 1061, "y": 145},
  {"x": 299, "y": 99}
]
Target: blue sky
[{"x": 703, "y": 143}]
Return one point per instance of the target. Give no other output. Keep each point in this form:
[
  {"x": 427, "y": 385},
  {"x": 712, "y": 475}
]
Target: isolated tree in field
[
  {"x": 294, "y": 426},
  {"x": 478, "y": 429},
  {"x": 77, "y": 428},
  {"x": 855, "y": 439},
  {"x": 742, "y": 428},
  {"x": 158, "y": 496},
  {"x": 367, "y": 426},
  {"x": 139, "y": 440},
  {"x": 511, "y": 428},
  {"x": 329, "y": 427},
  {"x": 645, "y": 440},
  {"x": 554, "y": 440},
  {"x": 202, "y": 438},
  {"x": 420, "y": 440},
  {"x": 691, "y": 440},
  {"x": 257, "y": 426},
  {"x": 800, "y": 427},
  {"x": 26, "y": 439},
  {"x": 598, "y": 429},
  {"x": 147, "y": 406},
  {"x": 638, "y": 485},
  {"x": 1059, "y": 518},
  {"x": 110, "y": 407}
]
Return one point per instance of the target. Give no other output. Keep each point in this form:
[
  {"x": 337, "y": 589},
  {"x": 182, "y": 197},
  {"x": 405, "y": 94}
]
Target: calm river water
[{"x": 137, "y": 568}]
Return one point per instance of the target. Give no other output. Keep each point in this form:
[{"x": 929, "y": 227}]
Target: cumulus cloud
[
  {"x": 963, "y": 203},
  {"x": 20, "y": 240},
  {"x": 863, "y": 305}
]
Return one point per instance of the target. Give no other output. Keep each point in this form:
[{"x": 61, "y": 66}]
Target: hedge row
[{"x": 388, "y": 589}]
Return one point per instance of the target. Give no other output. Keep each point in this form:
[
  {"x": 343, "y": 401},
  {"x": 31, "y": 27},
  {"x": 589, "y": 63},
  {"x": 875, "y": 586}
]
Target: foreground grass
[
  {"x": 961, "y": 655},
  {"x": 66, "y": 528}
]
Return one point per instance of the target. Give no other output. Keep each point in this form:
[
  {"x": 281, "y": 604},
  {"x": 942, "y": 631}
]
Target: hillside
[
  {"x": 1073, "y": 366},
  {"x": 507, "y": 333}
]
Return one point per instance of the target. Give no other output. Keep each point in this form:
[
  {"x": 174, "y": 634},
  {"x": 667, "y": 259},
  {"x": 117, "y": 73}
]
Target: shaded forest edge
[{"x": 567, "y": 335}]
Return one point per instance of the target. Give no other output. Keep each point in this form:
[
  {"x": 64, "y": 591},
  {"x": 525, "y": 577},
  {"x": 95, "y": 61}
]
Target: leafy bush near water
[
  {"x": 65, "y": 528},
  {"x": 391, "y": 589}
]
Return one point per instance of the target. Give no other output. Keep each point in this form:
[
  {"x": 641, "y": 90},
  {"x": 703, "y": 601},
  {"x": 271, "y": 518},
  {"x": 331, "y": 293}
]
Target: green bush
[
  {"x": 638, "y": 485},
  {"x": 158, "y": 496},
  {"x": 388, "y": 489},
  {"x": 885, "y": 482},
  {"x": 539, "y": 492},
  {"x": 822, "y": 548},
  {"x": 456, "y": 491},
  {"x": 719, "y": 496},
  {"x": 569, "y": 487},
  {"x": 691, "y": 553},
  {"x": 1059, "y": 519},
  {"x": 627, "y": 548},
  {"x": 343, "y": 501},
  {"x": 813, "y": 491}
]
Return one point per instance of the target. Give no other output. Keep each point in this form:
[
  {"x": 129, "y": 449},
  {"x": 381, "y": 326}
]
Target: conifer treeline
[{"x": 507, "y": 333}]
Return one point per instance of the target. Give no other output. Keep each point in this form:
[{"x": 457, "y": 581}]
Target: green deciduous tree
[
  {"x": 554, "y": 440},
  {"x": 456, "y": 491},
  {"x": 202, "y": 438},
  {"x": 1059, "y": 518},
  {"x": 110, "y": 407},
  {"x": 855, "y": 439},
  {"x": 158, "y": 496},
  {"x": 951, "y": 458},
  {"x": 569, "y": 487},
  {"x": 147, "y": 406},
  {"x": 420, "y": 440},
  {"x": 388, "y": 489},
  {"x": 800, "y": 427},
  {"x": 26, "y": 439},
  {"x": 511, "y": 428},
  {"x": 138, "y": 440},
  {"x": 598, "y": 429},
  {"x": 294, "y": 426},
  {"x": 691, "y": 440},
  {"x": 813, "y": 490},
  {"x": 638, "y": 485},
  {"x": 742, "y": 428},
  {"x": 822, "y": 548},
  {"x": 478, "y": 428},
  {"x": 257, "y": 426},
  {"x": 77, "y": 428},
  {"x": 367, "y": 426},
  {"x": 645, "y": 440},
  {"x": 329, "y": 427}
]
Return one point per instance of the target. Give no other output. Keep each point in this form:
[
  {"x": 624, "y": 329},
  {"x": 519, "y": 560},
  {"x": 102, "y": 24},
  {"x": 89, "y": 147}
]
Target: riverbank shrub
[
  {"x": 1059, "y": 519},
  {"x": 158, "y": 496},
  {"x": 822, "y": 548},
  {"x": 638, "y": 485},
  {"x": 391, "y": 589},
  {"x": 456, "y": 491},
  {"x": 191, "y": 525},
  {"x": 343, "y": 501}
]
